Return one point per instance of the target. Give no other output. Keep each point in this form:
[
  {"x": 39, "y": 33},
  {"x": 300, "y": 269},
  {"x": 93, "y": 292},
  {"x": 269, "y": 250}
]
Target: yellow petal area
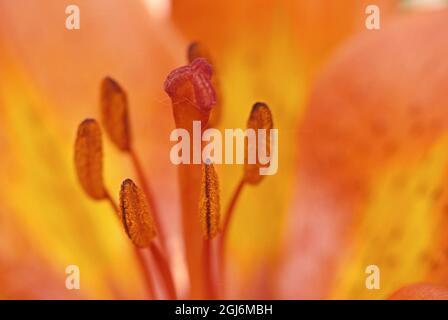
[
  {"x": 41, "y": 192},
  {"x": 400, "y": 226}
]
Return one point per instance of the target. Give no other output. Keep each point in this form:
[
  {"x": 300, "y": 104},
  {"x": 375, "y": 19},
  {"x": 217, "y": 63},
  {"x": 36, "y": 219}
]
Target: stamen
[
  {"x": 89, "y": 167},
  {"x": 225, "y": 230},
  {"x": 113, "y": 204},
  {"x": 114, "y": 112},
  {"x": 135, "y": 215},
  {"x": 89, "y": 159},
  {"x": 142, "y": 263},
  {"x": 231, "y": 207},
  {"x": 139, "y": 226},
  {"x": 148, "y": 193},
  {"x": 209, "y": 212},
  {"x": 165, "y": 271},
  {"x": 208, "y": 270},
  {"x": 260, "y": 118},
  {"x": 209, "y": 202}
]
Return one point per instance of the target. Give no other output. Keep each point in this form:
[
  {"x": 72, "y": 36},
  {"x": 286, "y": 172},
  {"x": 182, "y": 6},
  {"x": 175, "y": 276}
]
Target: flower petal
[
  {"x": 373, "y": 158},
  {"x": 421, "y": 292}
]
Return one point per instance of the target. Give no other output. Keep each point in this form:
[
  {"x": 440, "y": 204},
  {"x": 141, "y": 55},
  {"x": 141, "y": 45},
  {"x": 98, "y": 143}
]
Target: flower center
[{"x": 193, "y": 93}]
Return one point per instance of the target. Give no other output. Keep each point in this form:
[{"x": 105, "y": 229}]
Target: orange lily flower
[{"x": 50, "y": 81}]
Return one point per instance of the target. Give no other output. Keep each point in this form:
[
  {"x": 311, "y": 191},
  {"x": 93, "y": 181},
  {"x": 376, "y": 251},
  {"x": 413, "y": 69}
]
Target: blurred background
[{"x": 362, "y": 118}]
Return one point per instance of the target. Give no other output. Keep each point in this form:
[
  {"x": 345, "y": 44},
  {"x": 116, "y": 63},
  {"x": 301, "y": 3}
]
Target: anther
[
  {"x": 260, "y": 118},
  {"x": 89, "y": 159},
  {"x": 135, "y": 214},
  {"x": 114, "y": 113},
  {"x": 209, "y": 205}
]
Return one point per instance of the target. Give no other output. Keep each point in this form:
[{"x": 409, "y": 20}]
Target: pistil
[
  {"x": 192, "y": 97},
  {"x": 198, "y": 50}
]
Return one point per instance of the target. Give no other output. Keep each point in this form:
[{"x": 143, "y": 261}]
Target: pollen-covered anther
[
  {"x": 209, "y": 205},
  {"x": 114, "y": 113},
  {"x": 192, "y": 83},
  {"x": 260, "y": 118},
  {"x": 135, "y": 214},
  {"x": 89, "y": 159}
]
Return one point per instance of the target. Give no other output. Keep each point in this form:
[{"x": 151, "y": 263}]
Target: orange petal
[
  {"x": 421, "y": 292},
  {"x": 373, "y": 162}
]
